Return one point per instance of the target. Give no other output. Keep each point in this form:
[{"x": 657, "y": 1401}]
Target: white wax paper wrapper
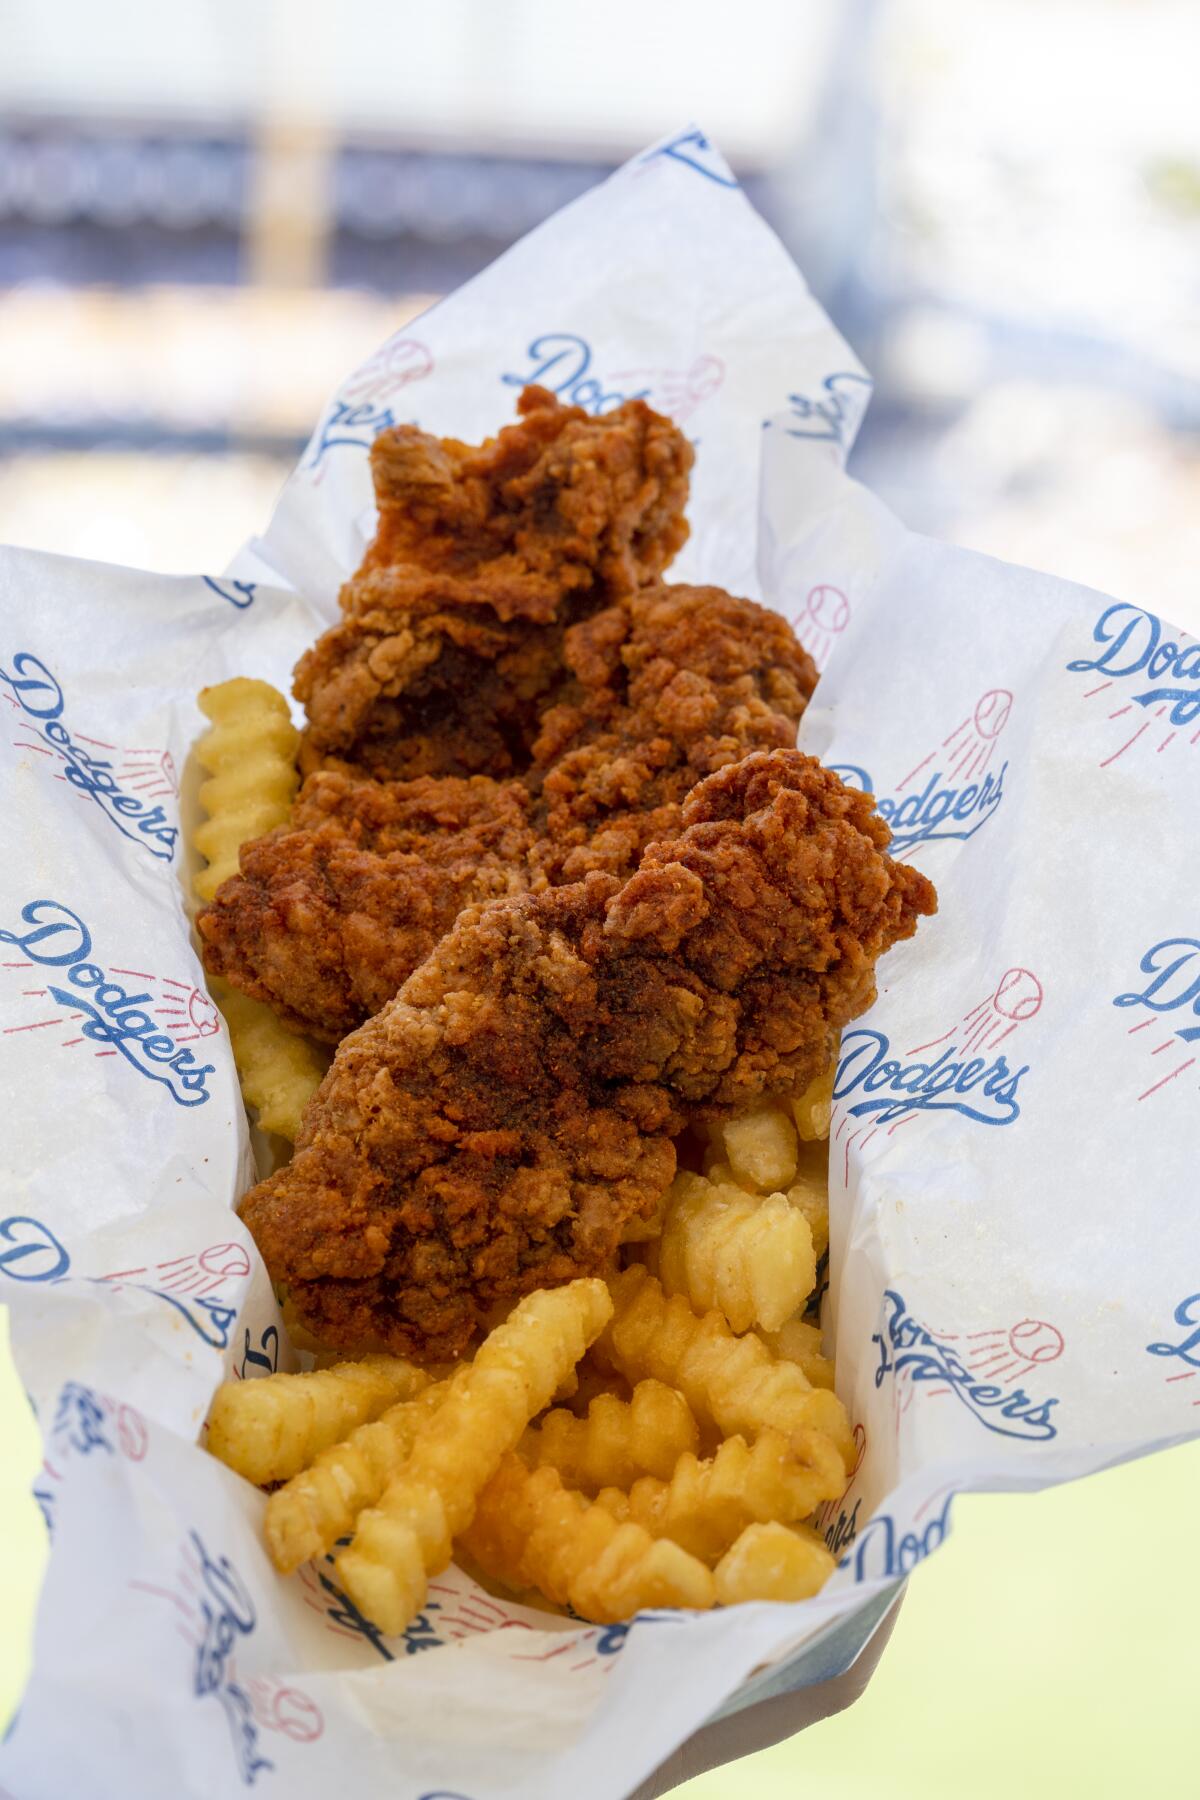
[{"x": 1011, "y": 1162}]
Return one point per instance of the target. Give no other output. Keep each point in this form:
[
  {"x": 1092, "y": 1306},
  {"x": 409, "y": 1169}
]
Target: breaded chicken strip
[
  {"x": 329, "y": 916},
  {"x": 670, "y": 685},
  {"x": 497, "y": 1124},
  {"x": 327, "y": 919},
  {"x": 452, "y": 631}
]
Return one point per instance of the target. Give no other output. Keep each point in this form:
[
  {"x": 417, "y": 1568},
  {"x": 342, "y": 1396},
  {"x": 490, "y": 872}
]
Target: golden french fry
[
  {"x": 250, "y": 754},
  {"x": 750, "y": 1257},
  {"x": 774, "y": 1562},
  {"x": 730, "y": 1382},
  {"x": 809, "y": 1195},
  {"x": 760, "y": 1148},
  {"x": 408, "y": 1536},
  {"x": 591, "y": 1382},
  {"x": 706, "y": 1504},
  {"x": 617, "y": 1441},
  {"x": 279, "y": 1071},
  {"x": 813, "y": 1109},
  {"x": 799, "y": 1342},
  {"x": 531, "y": 1532},
  {"x": 269, "y": 1430},
  {"x": 308, "y": 1515}
]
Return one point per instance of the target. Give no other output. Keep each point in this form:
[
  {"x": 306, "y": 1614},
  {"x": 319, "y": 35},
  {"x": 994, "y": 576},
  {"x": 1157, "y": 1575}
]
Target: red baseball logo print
[
  {"x": 1018, "y": 997},
  {"x": 953, "y": 790},
  {"x": 821, "y": 621},
  {"x": 398, "y": 363},
  {"x": 148, "y": 771},
  {"x": 186, "y": 1011},
  {"x": 968, "y": 749},
  {"x": 977, "y": 1368},
  {"x": 196, "y": 1273},
  {"x": 132, "y": 1435},
  {"x": 191, "y": 1285},
  {"x": 87, "y": 1419},
  {"x": 1007, "y": 1354},
  {"x": 280, "y": 1707},
  {"x": 677, "y": 392}
]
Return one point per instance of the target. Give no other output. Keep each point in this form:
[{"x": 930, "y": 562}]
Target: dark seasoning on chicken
[{"x": 557, "y": 883}]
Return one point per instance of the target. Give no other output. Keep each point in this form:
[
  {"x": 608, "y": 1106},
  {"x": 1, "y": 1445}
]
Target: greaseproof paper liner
[{"x": 1010, "y": 1169}]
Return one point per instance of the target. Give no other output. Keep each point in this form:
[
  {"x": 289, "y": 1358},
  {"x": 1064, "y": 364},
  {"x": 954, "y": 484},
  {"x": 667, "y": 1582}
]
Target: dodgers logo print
[
  {"x": 983, "y": 1088},
  {"x": 149, "y": 1031},
  {"x": 1162, "y": 699},
  {"x": 960, "y": 792},
  {"x": 909, "y": 1352},
  {"x": 694, "y": 151},
  {"x": 121, "y": 790},
  {"x": 1172, "y": 968},
  {"x": 883, "y": 1551},
  {"x": 362, "y": 410},
  {"x": 239, "y": 594},
  {"x": 563, "y": 362},
  {"x": 833, "y": 416},
  {"x": 1184, "y": 1348},
  {"x": 214, "y": 1613}
]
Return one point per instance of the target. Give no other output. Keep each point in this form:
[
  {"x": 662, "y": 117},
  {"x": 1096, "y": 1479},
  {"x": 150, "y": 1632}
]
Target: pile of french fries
[{"x": 696, "y": 1429}]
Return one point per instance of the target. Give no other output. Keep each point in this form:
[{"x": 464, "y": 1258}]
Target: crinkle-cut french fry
[
  {"x": 774, "y": 1562},
  {"x": 749, "y": 1256},
  {"x": 809, "y": 1194},
  {"x": 269, "y": 1430},
  {"x": 799, "y": 1342},
  {"x": 592, "y": 1382},
  {"x": 531, "y": 1532},
  {"x": 315, "y": 1508},
  {"x": 618, "y": 1440},
  {"x": 249, "y": 752},
  {"x": 730, "y": 1382},
  {"x": 279, "y": 1071},
  {"x": 813, "y": 1109},
  {"x": 706, "y": 1504},
  {"x": 760, "y": 1148},
  {"x": 408, "y": 1537}
]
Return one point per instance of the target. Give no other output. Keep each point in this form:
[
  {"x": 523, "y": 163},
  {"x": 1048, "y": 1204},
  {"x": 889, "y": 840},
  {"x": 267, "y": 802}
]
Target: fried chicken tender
[
  {"x": 327, "y": 919},
  {"x": 329, "y": 916},
  {"x": 451, "y": 640},
  {"x": 671, "y": 685},
  {"x": 494, "y": 1128}
]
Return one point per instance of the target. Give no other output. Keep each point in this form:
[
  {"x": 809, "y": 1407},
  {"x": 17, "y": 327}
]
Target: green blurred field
[{"x": 1049, "y": 1651}]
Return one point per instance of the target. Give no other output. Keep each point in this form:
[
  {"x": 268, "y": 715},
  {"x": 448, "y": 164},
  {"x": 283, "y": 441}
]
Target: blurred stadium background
[{"x": 209, "y": 211}]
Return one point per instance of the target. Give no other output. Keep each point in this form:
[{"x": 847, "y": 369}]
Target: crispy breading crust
[
  {"x": 328, "y": 918},
  {"x": 495, "y": 1126},
  {"x": 451, "y": 639}
]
